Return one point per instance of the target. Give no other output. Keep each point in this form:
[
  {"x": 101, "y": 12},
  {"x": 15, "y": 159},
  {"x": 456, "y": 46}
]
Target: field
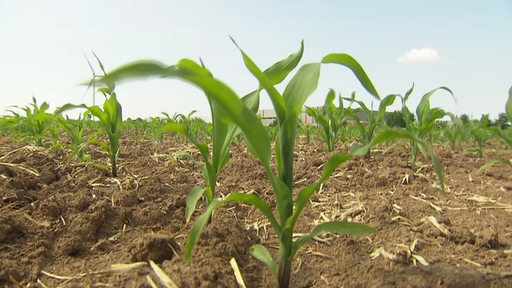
[
  {"x": 68, "y": 224},
  {"x": 418, "y": 197}
]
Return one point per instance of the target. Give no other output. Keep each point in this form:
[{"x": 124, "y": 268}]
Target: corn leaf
[
  {"x": 257, "y": 202},
  {"x": 97, "y": 112},
  {"x": 387, "y": 101},
  {"x": 193, "y": 198},
  {"x": 408, "y": 93},
  {"x": 426, "y": 115},
  {"x": 261, "y": 253},
  {"x": 134, "y": 70},
  {"x": 202, "y": 220},
  {"x": 198, "y": 227},
  {"x": 276, "y": 98},
  {"x": 230, "y": 105},
  {"x": 280, "y": 70},
  {"x": 357, "y": 69},
  {"x": 305, "y": 194},
  {"x": 301, "y": 86},
  {"x": 392, "y": 134},
  {"x": 347, "y": 228}
]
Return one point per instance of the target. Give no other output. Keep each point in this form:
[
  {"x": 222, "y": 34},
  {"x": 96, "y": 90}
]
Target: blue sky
[{"x": 464, "y": 45}]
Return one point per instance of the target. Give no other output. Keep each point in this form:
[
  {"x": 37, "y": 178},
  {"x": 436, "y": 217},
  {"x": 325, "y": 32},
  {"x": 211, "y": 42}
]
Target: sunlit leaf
[
  {"x": 342, "y": 227},
  {"x": 351, "y": 63},
  {"x": 261, "y": 253},
  {"x": 195, "y": 195}
]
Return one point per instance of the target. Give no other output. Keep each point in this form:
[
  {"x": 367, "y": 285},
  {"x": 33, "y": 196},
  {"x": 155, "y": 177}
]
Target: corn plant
[
  {"x": 480, "y": 131},
  {"x": 76, "y": 131},
  {"x": 309, "y": 131},
  {"x": 415, "y": 132},
  {"x": 367, "y": 130},
  {"x": 228, "y": 107},
  {"x": 331, "y": 119},
  {"x": 111, "y": 119},
  {"x": 425, "y": 122},
  {"x": 195, "y": 128},
  {"x": 34, "y": 125},
  {"x": 454, "y": 132},
  {"x": 212, "y": 163}
]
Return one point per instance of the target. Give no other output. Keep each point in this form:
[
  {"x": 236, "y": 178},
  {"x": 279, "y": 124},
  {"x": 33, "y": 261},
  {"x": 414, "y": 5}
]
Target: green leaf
[
  {"x": 67, "y": 107},
  {"x": 423, "y": 109},
  {"x": 408, "y": 93},
  {"x": 283, "y": 196},
  {"x": 387, "y": 101},
  {"x": 342, "y": 227},
  {"x": 351, "y": 63},
  {"x": 301, "y": 86},
  {"x": 134, "y": 70},
  {"x": 202, "y": 220},
  {"x": 230, "y": 105},
  {"x": 174, "y": 127},
  {"x": 252, "y": 100},
  {"x": 361, "y": 150},
  {"x": 195, "y": 195},
  {"x": 97, "y": 112},
  {"x": 261, "y": 253},
  {"x": 279, "y": 70},
  {"x": 276, "y": 98},
  {"x": 393, "y": 134},
  {"x": 305, "y": 194},
  {"x": 222, "y": 134},
  {"x": 102, "y": 144},
  {"x": 198, "y": 227},
  {"x": 257, "y": 202}
]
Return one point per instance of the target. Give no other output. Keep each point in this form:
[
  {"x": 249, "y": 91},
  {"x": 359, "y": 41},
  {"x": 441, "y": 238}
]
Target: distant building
[{"x": 268, "y": 116}]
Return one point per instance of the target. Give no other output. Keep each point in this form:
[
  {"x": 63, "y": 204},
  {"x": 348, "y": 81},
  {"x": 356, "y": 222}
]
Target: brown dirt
[{"x": 68, "y": 224}]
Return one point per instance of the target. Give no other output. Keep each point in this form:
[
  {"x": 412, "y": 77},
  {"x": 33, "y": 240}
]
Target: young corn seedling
[
  {"x": 309, "y": 131},
  {"x": 212, "y": 162},
  {"x": 367, "y": 130},
  {"x": 331, "y": 119},
  {"x": 416, "y": 132},
  {"x": 75, "y": 130},
  {"x": 425, "y": 123},
  {"x": 111, "y": 119},
  {"x": 35, "y": 125},
  {"x": 480, "y": 131},
  {"x": 455, "y": 132},
  {"x": 228, "y": 107}
]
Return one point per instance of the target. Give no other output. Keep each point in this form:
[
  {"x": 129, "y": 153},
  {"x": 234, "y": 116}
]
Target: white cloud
[{"x": 419, "y": 55}]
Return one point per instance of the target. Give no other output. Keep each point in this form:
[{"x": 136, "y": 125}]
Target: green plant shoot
[
  {"x": 35, "y": 125},
  {"x": 111, "y": 119},
  {"x": 331, "y": 119},
  {"x": 367, "y": 130}
]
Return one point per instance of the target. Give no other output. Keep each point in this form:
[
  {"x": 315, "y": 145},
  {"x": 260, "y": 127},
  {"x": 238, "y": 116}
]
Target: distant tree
[
  {"x": 464, "y": 118},
  {"x": 396, "y": 119},
  {"x": 502, "y": 121}
]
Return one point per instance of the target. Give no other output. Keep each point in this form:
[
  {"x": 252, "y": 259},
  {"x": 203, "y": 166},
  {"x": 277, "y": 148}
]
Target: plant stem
[
  {"x": 114, "y": 166},
  {"x": 285, "y": 259}
]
